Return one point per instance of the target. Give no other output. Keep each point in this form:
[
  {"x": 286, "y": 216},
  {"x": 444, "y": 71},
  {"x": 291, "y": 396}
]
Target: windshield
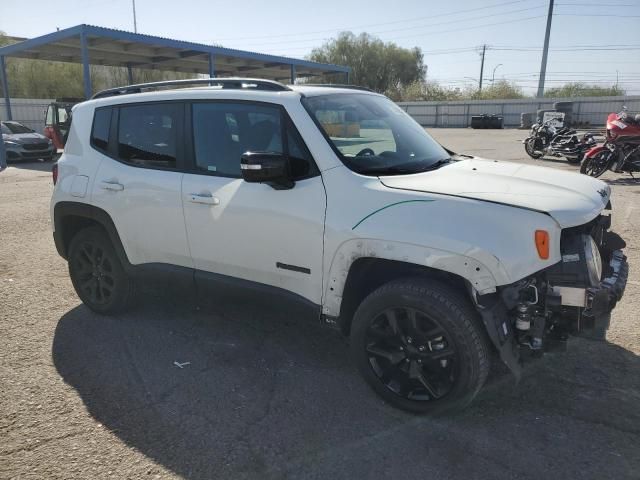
[
  {"x": 12, "y": 127},
  {"x": 373, "y": 135}
]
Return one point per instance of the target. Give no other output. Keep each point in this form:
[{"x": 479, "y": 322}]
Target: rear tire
[
  {"x": 97, "y": 273},
  {"x": 575, "y": 160},
  {"x": 419, "y": 345}
]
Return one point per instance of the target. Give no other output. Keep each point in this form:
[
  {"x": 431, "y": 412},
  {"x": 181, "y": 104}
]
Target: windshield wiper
[
  {"x": 406, "y": 168},
  {"x": 387, "y": 170},
  {"x": 437, "y": 164}
]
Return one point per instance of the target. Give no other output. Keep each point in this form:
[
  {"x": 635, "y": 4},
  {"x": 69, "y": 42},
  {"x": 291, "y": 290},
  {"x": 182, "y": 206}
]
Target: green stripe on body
[{"x": 389, "y": 206}]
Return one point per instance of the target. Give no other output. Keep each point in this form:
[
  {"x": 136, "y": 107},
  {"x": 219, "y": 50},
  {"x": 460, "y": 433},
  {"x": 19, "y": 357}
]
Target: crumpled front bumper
[{"x": 602, "y": 299}]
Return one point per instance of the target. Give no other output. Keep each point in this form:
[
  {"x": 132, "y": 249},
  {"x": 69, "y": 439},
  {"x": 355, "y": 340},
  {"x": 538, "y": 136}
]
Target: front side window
[
  {"x": 147, "y": 134},
  {"x": 223, "y": 131},
  {"x": 373, "y": 135}
]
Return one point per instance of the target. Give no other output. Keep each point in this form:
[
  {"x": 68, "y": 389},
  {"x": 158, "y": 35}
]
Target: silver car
[{"x": 22, "y": 143}]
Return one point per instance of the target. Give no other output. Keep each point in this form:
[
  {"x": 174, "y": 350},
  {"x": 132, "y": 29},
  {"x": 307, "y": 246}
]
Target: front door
[{"x": 251, "y": 231}]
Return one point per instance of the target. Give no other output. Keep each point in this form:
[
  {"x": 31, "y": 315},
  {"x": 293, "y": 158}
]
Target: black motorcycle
[{"x": 545, "y": 139}]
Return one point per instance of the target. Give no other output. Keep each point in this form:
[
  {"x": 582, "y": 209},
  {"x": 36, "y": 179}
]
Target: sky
[{"x": 591, "y": 41}]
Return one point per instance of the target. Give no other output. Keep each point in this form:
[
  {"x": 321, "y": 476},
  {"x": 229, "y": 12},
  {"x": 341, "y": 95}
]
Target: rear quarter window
[{"x": 100, "y": 128}]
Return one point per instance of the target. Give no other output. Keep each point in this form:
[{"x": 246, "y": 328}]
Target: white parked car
[{"x": 336, "y": 200}]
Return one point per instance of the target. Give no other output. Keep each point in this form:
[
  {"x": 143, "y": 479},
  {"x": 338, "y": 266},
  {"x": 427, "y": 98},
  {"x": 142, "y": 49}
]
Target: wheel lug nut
[
  {"x": 409, "y": 340},
  {"x": 421, "y": 348},
  {"x": 419, "y": 361},
  {"x": 401, "y": 348}
]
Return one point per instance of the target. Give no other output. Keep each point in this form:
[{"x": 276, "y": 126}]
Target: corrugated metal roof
[{"x": 109, "y": 46}]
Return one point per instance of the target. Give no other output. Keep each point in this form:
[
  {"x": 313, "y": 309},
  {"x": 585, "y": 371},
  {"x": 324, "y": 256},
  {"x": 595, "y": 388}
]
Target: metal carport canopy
[{"x": 91, "y": 45}]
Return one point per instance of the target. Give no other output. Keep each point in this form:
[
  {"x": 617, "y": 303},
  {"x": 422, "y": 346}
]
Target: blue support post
[
  {"x": 212, "y": 65},
  {"x": 347, "y": 75},
  {"x": 3, "y": 154},
  {"x": 293, "y": 74},
  {"x": 130, "y": 74},
  {"x": 5, "y": 87},
  {"x": 86, "y": 73}
]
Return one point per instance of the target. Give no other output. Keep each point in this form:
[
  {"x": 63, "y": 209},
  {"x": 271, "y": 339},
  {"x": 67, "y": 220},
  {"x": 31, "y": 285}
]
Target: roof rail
[
  {"x": 336, "y": 85},
  {"x": 231, "y": 83}
]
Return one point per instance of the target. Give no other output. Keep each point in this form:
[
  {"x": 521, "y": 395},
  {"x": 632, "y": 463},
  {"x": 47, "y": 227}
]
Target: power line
[
  {"x": 438, "y": 32},
  {"x": 378, "y": 24},
  {"x": 319, "y": 39},
  {"x": 600, "y": 5}
]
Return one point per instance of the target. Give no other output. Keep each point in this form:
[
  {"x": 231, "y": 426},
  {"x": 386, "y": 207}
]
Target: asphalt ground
[{"x": 259, "y": 393}]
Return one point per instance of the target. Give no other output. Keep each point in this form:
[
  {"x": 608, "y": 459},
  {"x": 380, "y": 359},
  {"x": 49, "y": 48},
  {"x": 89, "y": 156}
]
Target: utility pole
[
  {"x": 545, "y": 51},
  {"x": 484, "y": 49},
  {"x": 135, "y": 23}
]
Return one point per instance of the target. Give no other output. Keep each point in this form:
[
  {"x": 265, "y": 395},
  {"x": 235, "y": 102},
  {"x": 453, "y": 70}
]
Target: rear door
[
  {"x": 245, "y": 230},
  {"x": 139, "y": 179}
]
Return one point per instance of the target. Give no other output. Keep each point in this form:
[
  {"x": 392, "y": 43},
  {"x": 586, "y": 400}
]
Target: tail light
[{"x": 54, "y": 173}]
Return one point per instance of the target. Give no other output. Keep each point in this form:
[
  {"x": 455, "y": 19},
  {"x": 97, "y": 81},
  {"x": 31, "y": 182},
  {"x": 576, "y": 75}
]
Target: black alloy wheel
[
  {"x": 94, "y": 273},
  {"x": 596, "y": 165},
  {"x": 411, "y": 355},
  {"x": 420, "y": 346},
  {"x": 97, "y": 273}
]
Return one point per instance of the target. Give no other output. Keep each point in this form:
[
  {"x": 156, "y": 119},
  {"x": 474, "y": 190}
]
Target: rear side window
[
  {"x": 100, "y": 129},
  {"x": 147, "y": 135}
]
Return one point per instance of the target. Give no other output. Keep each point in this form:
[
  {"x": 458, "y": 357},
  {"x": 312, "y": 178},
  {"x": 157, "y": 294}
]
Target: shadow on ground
[
  {"x": 626, "y": 180},
  {"x": 266, "y": 396}
]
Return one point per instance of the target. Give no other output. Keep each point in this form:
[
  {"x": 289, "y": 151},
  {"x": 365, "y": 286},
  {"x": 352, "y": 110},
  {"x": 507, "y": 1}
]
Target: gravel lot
[{"x": 268, "y": 396}]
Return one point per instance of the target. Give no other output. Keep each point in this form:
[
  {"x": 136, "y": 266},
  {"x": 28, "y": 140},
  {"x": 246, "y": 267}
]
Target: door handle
[
  {"x": 204, "y": 198},
  {"x": 114, "y": 186}
]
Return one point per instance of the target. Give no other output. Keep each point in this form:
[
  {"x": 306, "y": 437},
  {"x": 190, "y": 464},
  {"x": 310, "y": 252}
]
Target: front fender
[
  {"x": 479, "y": 274},
  {"x": 592, "y": 152}
]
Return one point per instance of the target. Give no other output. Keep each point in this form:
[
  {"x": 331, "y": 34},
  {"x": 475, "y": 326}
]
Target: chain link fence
[{"x": 28, "y": 111}]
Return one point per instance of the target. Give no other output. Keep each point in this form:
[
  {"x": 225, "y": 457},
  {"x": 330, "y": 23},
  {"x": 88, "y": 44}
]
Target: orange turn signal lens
[{"x": 542, "y": 244}]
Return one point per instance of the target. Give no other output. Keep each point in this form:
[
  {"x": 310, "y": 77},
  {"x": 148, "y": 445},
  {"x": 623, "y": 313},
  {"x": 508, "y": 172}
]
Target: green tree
[
  {"x": 424, "y": 91},
  {"x": 579, "y": 89},
  {"x": 375, "y": 64},
  {"x": 501, "y": 89}
]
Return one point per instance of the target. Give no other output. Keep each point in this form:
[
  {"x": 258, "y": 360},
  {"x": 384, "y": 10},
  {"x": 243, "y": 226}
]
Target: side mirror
[{"x": 266, "y": 167}]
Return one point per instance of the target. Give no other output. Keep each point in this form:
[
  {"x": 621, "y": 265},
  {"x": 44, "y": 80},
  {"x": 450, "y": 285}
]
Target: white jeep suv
[{"x": 336, "y": 200}]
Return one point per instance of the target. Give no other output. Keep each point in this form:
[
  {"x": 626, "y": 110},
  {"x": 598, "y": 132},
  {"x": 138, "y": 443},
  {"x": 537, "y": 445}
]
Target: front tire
[
  {"x": 419, "y": 345},
  {"x": 530, "y": 148},
  {"x": 97, "y": 273},
  {"x": 596, "y": 165}
]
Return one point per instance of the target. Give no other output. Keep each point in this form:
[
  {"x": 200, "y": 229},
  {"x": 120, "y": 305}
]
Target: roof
[{"x": 106, "y": 46}]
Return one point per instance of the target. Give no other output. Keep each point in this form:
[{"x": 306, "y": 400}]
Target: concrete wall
[
  {"x": 28, "y": 111},
  {"x": 593, "y": 110}
]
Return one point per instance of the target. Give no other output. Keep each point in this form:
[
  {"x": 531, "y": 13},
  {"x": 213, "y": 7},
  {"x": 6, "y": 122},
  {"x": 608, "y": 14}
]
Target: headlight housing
[
  {"x": 593, "y": 259},
  {"x": 11, "y": 143}
]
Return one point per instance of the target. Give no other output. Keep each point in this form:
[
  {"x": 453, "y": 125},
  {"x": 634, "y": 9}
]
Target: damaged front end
[{"x": 573, "y": 297}]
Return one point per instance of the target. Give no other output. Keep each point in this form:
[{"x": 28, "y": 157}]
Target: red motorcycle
[{"x": 621, "y": 150}]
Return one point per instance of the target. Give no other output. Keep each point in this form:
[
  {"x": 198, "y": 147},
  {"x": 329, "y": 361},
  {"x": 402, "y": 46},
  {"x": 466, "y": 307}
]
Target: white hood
[{"x": 570, "y": 198}]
